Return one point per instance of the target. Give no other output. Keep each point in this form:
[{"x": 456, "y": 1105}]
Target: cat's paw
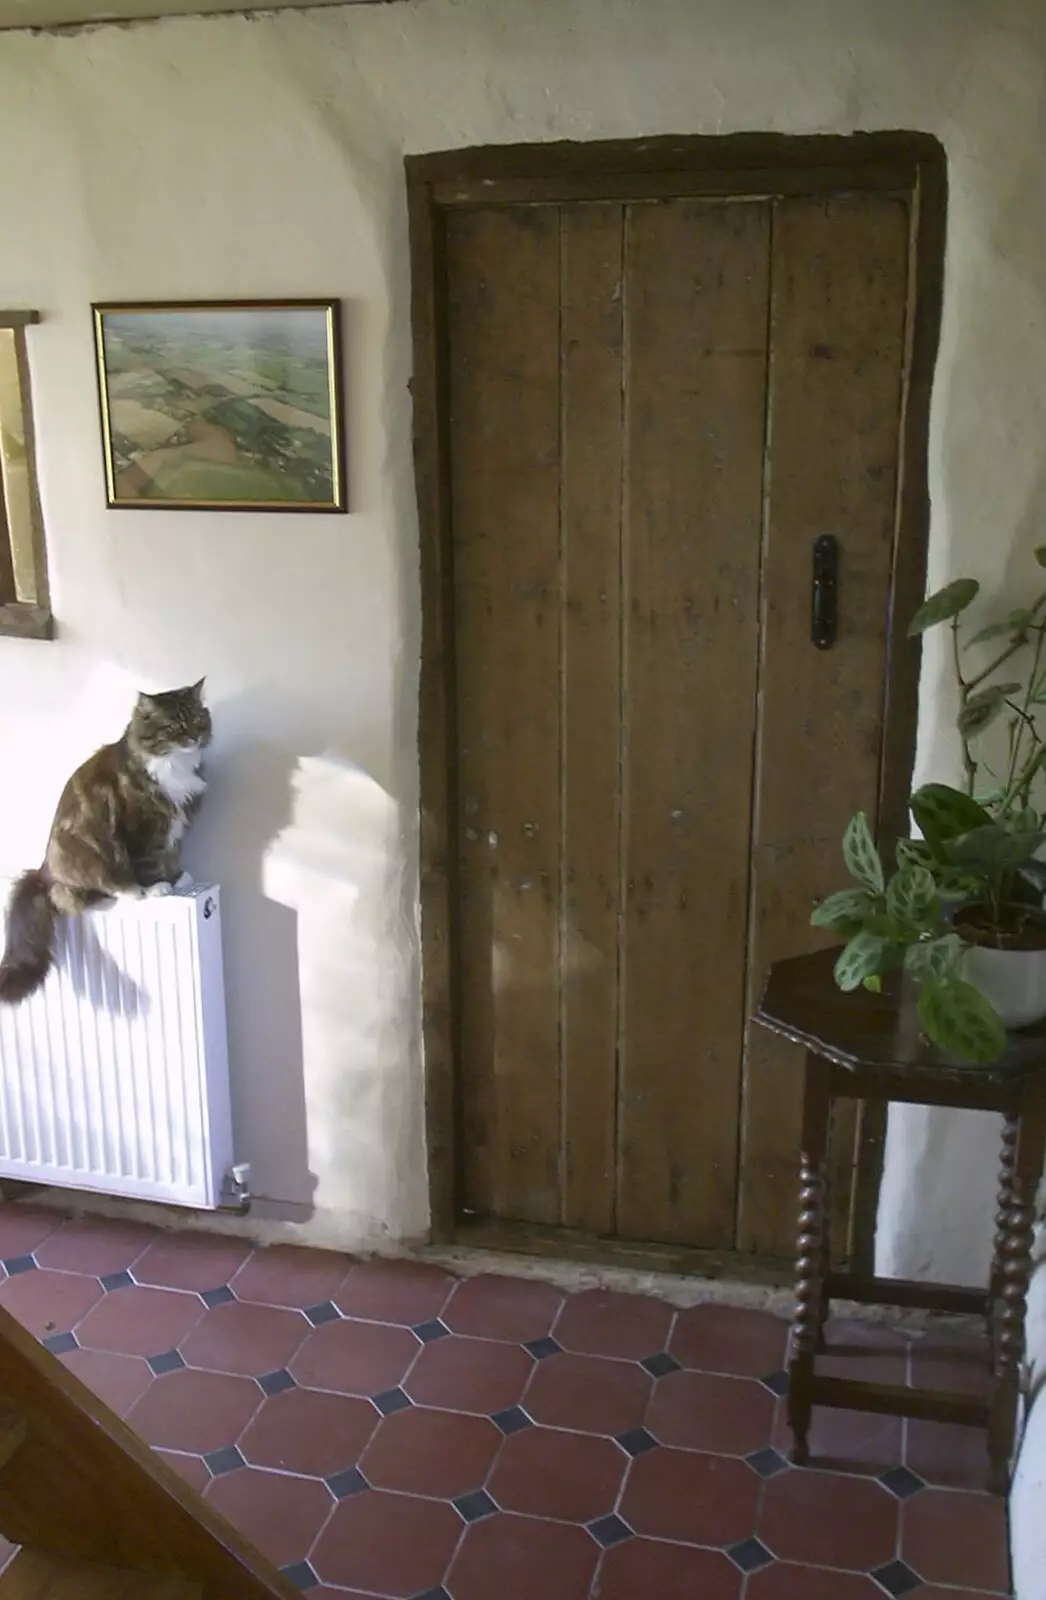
[{"x": 156, "y": 890}]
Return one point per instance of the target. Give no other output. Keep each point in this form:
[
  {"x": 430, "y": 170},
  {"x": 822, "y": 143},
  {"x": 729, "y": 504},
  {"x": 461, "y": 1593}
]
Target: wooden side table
[{"x": 869, "y": 1047}]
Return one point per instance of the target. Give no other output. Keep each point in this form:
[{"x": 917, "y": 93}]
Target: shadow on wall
[
  {"x": 339, "y": 864},
  {"x": 245, "y": 807}
]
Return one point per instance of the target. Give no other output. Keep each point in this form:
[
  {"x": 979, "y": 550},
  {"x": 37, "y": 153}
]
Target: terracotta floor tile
[
  {"x": 191, "y": 1468},
  {"x": 140, "y": 1322},
  {"x": 304, "y": 1431},
  {"x": 431, "y": 1453},
  {"x": 943, "y": 1360},
  {"x": 287, "y": 1275},
  {"x": 784, "y": 1581},
  {"x": 95, "y": 1245},
  {"x": 703, "y": 1411},
  {"x": 24, "y": 1228},
  {"x": 947, "y": 1454},
  {"x": 195, "y": 1412},
  {"x": 590, "y": 1394},
  {"x": 870, "y": 1351},
  {"x": 355, "y": 1357},
  {"x": 49, "y": 1302},
  {"x": 281, "y": 1515},
  {"x": 601, "y": 1322},
  {"x": 388, "y": 1544},
  {"x": 847, "y": 1441},
  {"x": 407, "y": 1292},
  {"x": 514, "y": 1558},
  {"x": 245, "y": 1338},
  {"x": 545, "y": 1472},
  {"x": 825, "y": 1519},
  {"x": 957, "y": 1538},
  {"x": 494, "y": 1307},
  {"x": 696, "y": 1499},
  {"x": 196, "y": 1261},
  {"x": 461, "y": 1374},
  {"x": 644, "y": 1570},
  {"x": 714, "y": 1338},
  {"x": 932, "y": 1592},
  {"x": 118, "y": 1381}
]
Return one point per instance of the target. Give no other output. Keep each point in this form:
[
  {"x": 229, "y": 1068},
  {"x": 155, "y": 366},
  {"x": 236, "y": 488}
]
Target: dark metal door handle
[{"x": 824, "y": 601}]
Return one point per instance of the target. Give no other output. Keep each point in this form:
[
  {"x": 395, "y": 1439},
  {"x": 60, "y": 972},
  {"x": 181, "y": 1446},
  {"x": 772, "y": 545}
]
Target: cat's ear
[
  {"x": 197, "y": 688},
  {"x": 146, "y": 699}
]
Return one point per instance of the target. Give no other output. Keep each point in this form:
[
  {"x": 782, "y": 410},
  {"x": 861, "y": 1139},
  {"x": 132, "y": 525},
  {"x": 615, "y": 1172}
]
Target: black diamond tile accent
[
  {"x": 392, "y": 1400},
  {"x": 433, "y": 1594},
  {"x": 344, "y": 1484},
  {"x": 514, "y": 1420},
  {"x": 897, "y": 1578},
  {"x": 661, "y": 1365},
  {"x": 327, "y": 1312},
  {"x": 749, "y": 1555},
  {"x": 541, "y": 1349},
  {"x": 776, "y": 1382},
  {"x": 428, "y": 1332},
  {"x": 169, "y": 1361},
  {"x": 59, "y": 1343},
  {"x": 767, "y": 1462},
  {"x": 902, "y": 1482},
  {"x": 474, "y": 1507},
  {"x": 116, "y": 1280},
  {"x": 19, "y": 1264},
  {"x": 637, "y": 1442},
  {"x": 302, "y": 1575},
  {"x": 217, "y": 1297},
  {"x": 223, "y": 1461},
  {"x": 609, "y": 1530},
  {"x": 276, "y": 1382}
]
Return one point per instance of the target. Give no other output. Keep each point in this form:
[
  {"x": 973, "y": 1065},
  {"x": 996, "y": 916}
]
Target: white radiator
[{"x": 114, "y": 1077}]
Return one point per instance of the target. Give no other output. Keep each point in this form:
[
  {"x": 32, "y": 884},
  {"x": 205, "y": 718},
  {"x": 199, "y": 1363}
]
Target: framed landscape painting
[{"x": 222, "y": 405}]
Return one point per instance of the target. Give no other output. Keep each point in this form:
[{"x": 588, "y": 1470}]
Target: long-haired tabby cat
[{"x": 117, "y": 830}]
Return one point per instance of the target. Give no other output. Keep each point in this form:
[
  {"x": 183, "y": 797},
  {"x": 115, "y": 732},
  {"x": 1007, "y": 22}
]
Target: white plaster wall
[{"x": 263, "y": 156}]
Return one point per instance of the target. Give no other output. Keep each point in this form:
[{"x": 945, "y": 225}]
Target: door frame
[{"x": 744, "y": 165}]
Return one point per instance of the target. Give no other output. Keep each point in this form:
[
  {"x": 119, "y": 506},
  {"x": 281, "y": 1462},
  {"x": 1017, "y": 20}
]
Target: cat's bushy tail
[{"x": 27, "y": 957}]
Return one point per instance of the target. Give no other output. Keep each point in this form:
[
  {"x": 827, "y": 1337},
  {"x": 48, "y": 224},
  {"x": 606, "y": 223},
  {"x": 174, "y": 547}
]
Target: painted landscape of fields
[{"x": 219, "y": 406}]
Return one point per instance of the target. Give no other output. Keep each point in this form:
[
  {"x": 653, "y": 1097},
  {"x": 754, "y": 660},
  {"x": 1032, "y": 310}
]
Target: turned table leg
[
  {"x": 1010, "y": 1128},
  {"x": 1015, "y": 1250},
  {"x": 810, "y": 1264}
]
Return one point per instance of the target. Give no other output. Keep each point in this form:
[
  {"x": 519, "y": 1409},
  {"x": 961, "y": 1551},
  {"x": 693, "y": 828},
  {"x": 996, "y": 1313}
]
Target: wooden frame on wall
[
  {"x": 746, "y": 165},
  {"x": 221, "y": 405}
]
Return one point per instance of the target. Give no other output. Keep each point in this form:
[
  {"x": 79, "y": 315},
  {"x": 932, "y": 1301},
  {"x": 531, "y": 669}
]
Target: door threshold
[{"x": 593, "y": 1250}]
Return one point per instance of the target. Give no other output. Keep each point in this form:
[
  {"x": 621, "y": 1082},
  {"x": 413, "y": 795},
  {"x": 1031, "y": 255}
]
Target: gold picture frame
[{"x": 221, "y": 405}]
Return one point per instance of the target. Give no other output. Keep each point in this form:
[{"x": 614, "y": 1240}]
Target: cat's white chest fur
[{"x": 177, "y": 774}]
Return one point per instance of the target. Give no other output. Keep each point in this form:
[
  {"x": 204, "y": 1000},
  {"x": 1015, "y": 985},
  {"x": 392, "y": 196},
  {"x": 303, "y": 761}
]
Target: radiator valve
[{"x": 236, "y": 1190}]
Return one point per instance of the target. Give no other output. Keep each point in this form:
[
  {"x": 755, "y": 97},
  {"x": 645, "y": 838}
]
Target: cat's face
[{"x": 171, "y": 721}]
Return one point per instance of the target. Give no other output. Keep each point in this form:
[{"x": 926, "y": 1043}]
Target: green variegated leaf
[
  {"x": 994, "y": 849},
  {"x": 947, "y": 603},
  {"x": 933, "y": 960},
  {"x": 914, "y": 853},
  {"x": 847, "y": 911},
  {"x": 864, "y": 957},
  {"x": 911, "y": 898},
  {"x": 961, "y": 1021},
  {"x": 1015, "y": 623},
  {"x": 982, "y": 708},
  {"x": 944, "y": 813},
  {"x": 860, "y": 854}
]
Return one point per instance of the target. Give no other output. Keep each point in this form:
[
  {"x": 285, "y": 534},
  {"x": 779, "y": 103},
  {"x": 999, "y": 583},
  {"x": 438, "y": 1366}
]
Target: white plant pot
[{"x": 1013, "y": 980}]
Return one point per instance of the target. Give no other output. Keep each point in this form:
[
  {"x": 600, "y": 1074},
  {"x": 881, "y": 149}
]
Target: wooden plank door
[
  {"x": 608, "y": 394},
  {"x": 643, "y": 409}
]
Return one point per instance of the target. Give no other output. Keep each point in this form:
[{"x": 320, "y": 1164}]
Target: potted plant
[{"x": 963, "y": 912}]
